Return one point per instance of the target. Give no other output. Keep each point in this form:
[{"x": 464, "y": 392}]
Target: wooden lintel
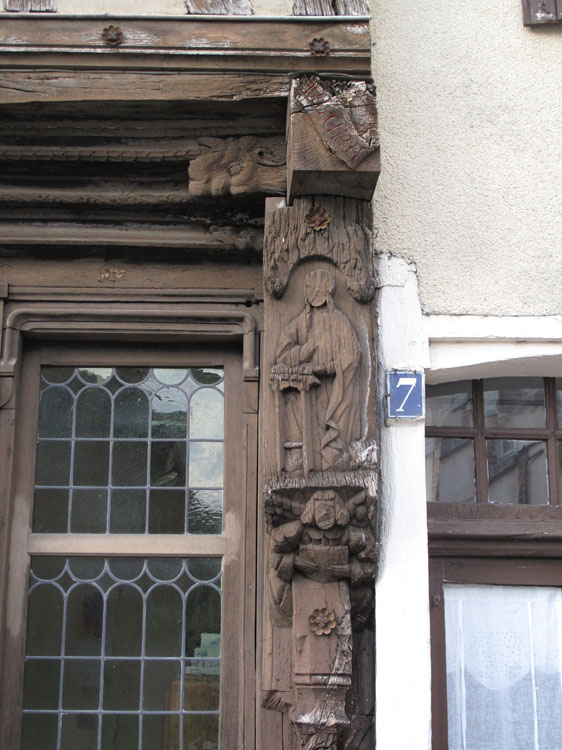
[
  {"x": 20, "y": 86},
  {"x": 189, "y": 238},
  {"x": 258, "y": 45}
]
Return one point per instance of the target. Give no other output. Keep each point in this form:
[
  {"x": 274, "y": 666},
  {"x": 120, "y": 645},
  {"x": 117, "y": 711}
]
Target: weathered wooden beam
[
  {"x": 331, "y": 8},
  {"x": 253, "y": 45},
  {"x": 165, "y": 150},
  {"x": 19, "y": 86},
  {"x": 332, "y": 141},
  {"x": 42, "y": 6},
  {"x": 186, "y": 237},
  {"x": 220, "y": 7}
]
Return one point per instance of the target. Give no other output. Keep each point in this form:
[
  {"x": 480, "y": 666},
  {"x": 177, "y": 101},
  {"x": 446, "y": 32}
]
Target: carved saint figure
[{"x": 315, "y": 379}]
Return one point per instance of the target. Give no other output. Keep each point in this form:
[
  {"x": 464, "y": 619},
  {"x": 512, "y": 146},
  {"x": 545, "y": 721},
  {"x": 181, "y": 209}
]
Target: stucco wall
[{"x": 470, "y": 107}]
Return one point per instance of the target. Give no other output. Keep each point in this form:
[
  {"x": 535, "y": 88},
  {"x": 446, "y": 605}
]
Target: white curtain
[{"x": 504, "y": 667}]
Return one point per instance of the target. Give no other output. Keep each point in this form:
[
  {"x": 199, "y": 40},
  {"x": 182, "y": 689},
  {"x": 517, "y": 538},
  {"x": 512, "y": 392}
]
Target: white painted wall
[
  {"x": 402, "y": 606},
  {"x": 470, "y": 106}
]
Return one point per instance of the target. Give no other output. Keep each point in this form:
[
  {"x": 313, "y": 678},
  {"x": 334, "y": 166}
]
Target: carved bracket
[{"x": 333, "y": 142}]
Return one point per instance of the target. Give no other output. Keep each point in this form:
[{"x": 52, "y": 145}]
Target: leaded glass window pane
[{"x": 130, "y": 450}]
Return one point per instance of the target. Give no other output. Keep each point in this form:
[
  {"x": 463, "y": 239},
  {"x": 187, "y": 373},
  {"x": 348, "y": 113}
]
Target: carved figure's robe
[{"x": 324, "y": 338}]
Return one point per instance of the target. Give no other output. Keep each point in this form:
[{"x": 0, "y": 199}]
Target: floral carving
[
  {"x": 322, "y": 621},
  {"x": 319, "y": 47},
  {"x": 318, "y": 218},
  {"x": 113, "y": 36}
]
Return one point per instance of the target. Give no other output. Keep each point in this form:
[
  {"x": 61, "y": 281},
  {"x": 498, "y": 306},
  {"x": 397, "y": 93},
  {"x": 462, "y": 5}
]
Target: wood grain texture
[
  {"x": 253, "y": 46},
  {"x": 332, "y": 138},
  {"x": 320, "y": 559},
  {"x": 43, "y": 6},
  {"x": 331, "y": 8},
  {"x": 35, "y": 85},
  {"x": 220, "y": 7}
]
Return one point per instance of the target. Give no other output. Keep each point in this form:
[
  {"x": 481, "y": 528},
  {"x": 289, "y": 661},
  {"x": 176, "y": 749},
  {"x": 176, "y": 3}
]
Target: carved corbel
[
  {"x": 332, "y": 137},
  {"x": 320, "y": 462},
  {"x": 236, "y": 166}
]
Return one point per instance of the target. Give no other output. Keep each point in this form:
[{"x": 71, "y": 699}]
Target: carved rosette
[{"x": 320, "y": 462}]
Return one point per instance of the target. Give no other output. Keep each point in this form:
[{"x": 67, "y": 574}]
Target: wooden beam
[
  {"x": 188, "y": 237},
  {"x": 256, "y": 45},
  {"x": 176, "y": 545},
  {"x": 19, "y": 86}
]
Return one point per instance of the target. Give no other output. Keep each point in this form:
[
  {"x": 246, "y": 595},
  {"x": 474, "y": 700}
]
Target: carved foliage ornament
[
  {"x": 345, "y": 240},
  {"x": 344, "y": 115}
]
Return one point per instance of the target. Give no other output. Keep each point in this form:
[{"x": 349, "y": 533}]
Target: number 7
[{"x": 405, "y": 381}]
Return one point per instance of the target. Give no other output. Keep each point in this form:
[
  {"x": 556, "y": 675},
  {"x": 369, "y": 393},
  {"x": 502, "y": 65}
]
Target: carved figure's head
[
  {"x": 319, "y": 287},
  {"x": 325, "y": 509}
]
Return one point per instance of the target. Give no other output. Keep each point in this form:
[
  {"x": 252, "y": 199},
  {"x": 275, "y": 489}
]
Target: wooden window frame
[
  {"x": 238, "y": 639},
  {"x": 482, "y": 528},
  {"x": 500, "y": 571},
  {"x": 551, "y": 434}
]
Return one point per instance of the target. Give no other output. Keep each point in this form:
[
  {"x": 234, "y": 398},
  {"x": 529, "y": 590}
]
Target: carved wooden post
[{"x": 319, "y": 449}]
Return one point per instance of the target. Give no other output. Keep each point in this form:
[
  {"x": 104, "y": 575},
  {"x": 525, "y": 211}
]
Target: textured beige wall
[{"x": 470, "y": 107}]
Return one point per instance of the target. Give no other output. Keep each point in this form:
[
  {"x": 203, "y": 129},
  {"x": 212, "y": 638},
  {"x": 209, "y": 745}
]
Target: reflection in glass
[
  {"x": 204, "y": 515},
  {"x": 91, "y": 463},
  {"x": 514, "y": 402},
  {"x": 110, "y": 667},
  {"x": 129, "y": 464},
  {"x": 124, "y": 622},
  {"x": 202, "y": 683},
  {"x": 517, "y": 472},
  {"x": 108, "y": 433},
  {"x": 79, "y": 731},
  {"x": 128, "y": 512},
  {"x": 42, "y": 679},
  {"x": 206, "y": 414},
  {"x": 167, "y": 464},
  {"x": 203, "y": 622},
  {"x": 81, "y": 684},
  {"x": 200, "y": 731},
  {"x": 161, "y": 685},
  {"x": 55, "y": 413},
  {"x": 131, "y": 414},
  {"x": 167, "y": 512},
  {"x": 53, "y": 463},
  {"x": 84, "y": 621},
  {"x": 50, "y": 511},
  {"x": 44, "y": 621},
  {"x": 89, "y": 511},
  {"x": 205, "y": 464},
  {"x": 169, "y": 413},
  {"x": 449, "y": 404},
  {"x": 121, "y": 685},
  {"x": 120, "y": 732},
  {"x": 163, "y": 622},
  {"x": 449, "y": 470},
  {"x": 93, "y": 413},
  {"x": 39, "y": 731}
]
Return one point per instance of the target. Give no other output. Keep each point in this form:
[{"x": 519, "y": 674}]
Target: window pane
[
  {"x": 449, "y": 470},
  {"x": 514, "y": 402},
  {"x": 110, "y": 638},
  {"x": 449, "y": 404},
  {"x": 504, "y": 667},
  {"x": 517, "y": 472},
  {"x": 124, "y": 436}
]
